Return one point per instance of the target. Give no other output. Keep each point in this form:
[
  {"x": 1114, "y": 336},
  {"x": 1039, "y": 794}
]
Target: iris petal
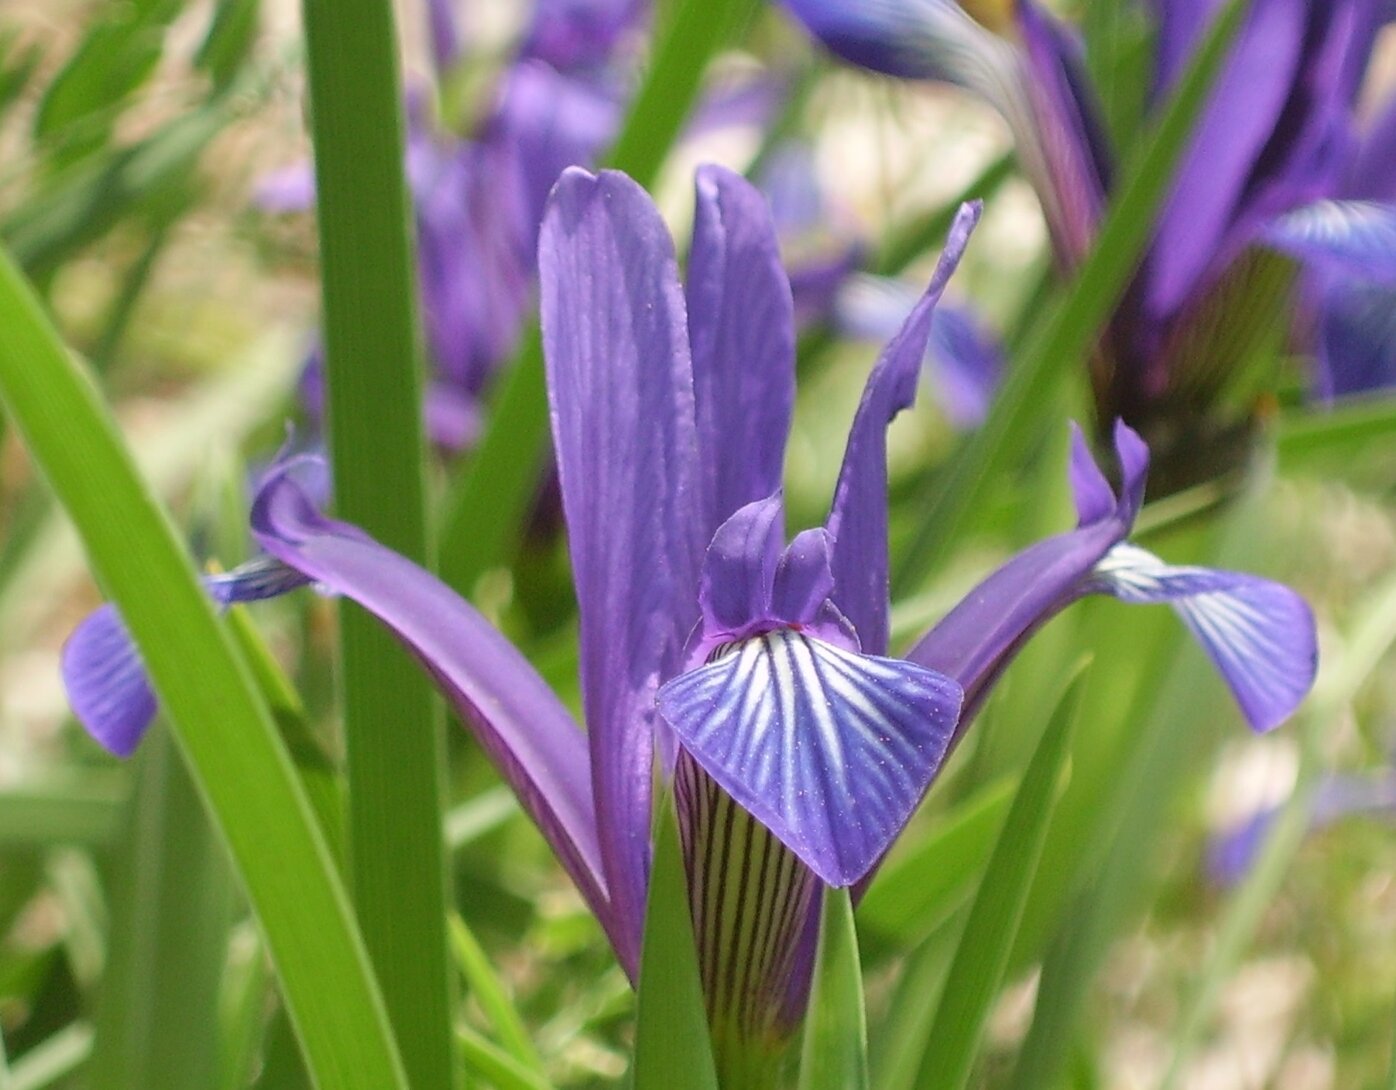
[
  {"x": 106, "y": 682},
  {"x": 1355, "y": 238},
  {"x": 102, "y": 670},
  {"x": 1259, "y": 634},
  {"x": 858, "y": 518},
  {"x": 829, "y": 750}
]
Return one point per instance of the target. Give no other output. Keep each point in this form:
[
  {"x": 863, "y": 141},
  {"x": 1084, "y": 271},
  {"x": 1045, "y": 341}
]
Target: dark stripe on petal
[{"x": 749, "y": 895}]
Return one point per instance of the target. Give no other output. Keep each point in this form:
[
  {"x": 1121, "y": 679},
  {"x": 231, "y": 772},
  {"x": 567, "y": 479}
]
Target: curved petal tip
[{"x": 106, "y": 682}]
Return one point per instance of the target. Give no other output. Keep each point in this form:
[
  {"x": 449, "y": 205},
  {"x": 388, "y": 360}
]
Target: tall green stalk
[
  {"x": 392, "y": 726},
  {"x": 229, "y": 743}
]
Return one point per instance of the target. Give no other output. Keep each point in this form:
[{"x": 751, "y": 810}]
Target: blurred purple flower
[
  {"x": 753, "y": 672},
  {"x": 1232, "y": 854},
  {"x": 1264, "y": 174},
  {"x": 478, "y": 200}
]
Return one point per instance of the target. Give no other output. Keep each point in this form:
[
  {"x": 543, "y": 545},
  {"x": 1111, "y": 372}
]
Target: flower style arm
[
  {"x": 858, "y": 518},
  {"x": 518, "y": 721},
  {"x": 1259, "y": 634}
]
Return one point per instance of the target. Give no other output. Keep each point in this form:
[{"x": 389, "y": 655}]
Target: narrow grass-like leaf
[
  {"x": 225, "y": 733},
  {"x": 483, "y": 514},
  {"x": 1099, "y": 856},
  {"x": 242, "y": 1010},
  {"x": 49, "y": 1063},
  {"x": 317, "y": 770},
  {"x": 835, "y": 1049},
  {"x": 1065, "y": 338},
  {"x": 84, "y": 810},
  {"x": 393, "y": 729},
  {"x": 83, "y": 203},
  {"x": 217, "y": 414},
  {"x": 1371, "y": 639},
  {"x": 489, "y": 992},
  {"x": 987, "y": 940},
  {"x": 1344, "y": 430},
  {"x": 899, "y": 1041},
  {"x": 671, "y": 1032},
  {"x": 157, "y": 1021},
  {"x": 919, "y": 890},
  {"x": 498, "y": 1068}
]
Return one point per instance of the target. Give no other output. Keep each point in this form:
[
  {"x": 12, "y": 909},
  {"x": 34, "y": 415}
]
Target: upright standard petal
[
  {"x": 858, "y": 517},
  {"x": 1259, "y": 634},
  {"x": 963, "y": 360},
  {"x": 829, "y": 750},
  {"x": 742, "y": 331},
  {"x": 740, "y": 566},
  {"x": 621, "y": 391},
  {"x": 517, "y": 719}
]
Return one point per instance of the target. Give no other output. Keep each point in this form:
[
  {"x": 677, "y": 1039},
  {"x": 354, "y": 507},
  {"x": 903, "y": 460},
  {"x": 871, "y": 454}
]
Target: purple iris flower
[
  {"x": 1264, "y": 176},
  {"x": 752, "y": 672},
  {"x": 1232, "y": 854},
  {"x": 478, "y": 200}
]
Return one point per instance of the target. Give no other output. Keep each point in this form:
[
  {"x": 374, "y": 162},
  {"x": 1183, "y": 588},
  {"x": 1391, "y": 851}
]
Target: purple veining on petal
[
  {"x": 979, "y": 637},
  {"x": 1355, "y": 239},
  {"x": 829, "y": 750},
  {"x": 1260, "y": 634},
  {"x": 106, "y": 682},
  {"x": 742, "y": 333},
  {"x": 104, "y": 676},
  {"x": 621, "y": 391}
]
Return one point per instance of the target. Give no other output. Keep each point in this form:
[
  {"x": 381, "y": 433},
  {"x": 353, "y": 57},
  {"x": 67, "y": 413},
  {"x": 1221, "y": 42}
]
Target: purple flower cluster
[{"x": 1279, "y": 164}]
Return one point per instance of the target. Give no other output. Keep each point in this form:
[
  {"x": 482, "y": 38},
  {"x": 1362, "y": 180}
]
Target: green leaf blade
[
  {"x": 987, "y": 941},
  {"x": 835, "y": 1051},
  {"x": 243, "y": 773}
]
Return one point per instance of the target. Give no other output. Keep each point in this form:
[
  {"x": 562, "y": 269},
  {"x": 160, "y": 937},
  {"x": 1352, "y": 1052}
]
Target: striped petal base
[{"x": 751, "y": 900}]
